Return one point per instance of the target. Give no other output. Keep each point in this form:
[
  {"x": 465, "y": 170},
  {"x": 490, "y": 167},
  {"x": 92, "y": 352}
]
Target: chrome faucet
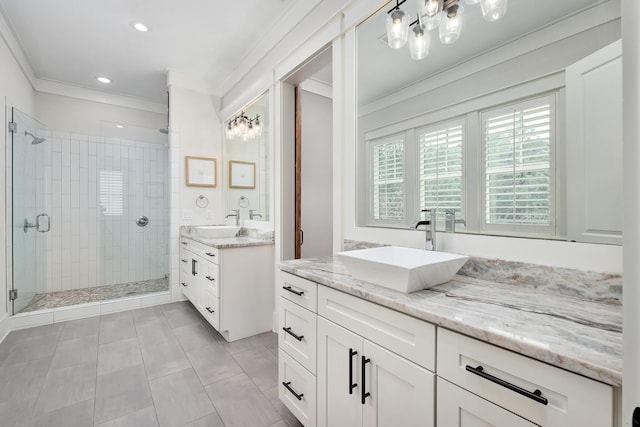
[
  {"x": 451, "y": 221},
  {"x": 430, "y": 232},
  {"x": 236, "y": 215},
  {"x": 253, "y": 214}
]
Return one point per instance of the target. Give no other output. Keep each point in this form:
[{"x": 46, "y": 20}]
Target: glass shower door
[{"x": 30, "y": 172}]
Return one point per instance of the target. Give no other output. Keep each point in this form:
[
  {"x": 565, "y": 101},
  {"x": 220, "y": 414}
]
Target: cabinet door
[
  {"x": 401, "y": 393},
  {"x": 458, "y": 407},
  {"x": 339, "y": 353}
]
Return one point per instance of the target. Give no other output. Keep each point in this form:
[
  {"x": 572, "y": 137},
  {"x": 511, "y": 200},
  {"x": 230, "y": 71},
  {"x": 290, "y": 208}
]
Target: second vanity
[
  {"x": 470, "y": 352},
  {"x": 230, "y": 282}
]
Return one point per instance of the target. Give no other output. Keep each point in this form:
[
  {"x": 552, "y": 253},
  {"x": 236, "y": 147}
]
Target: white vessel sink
[
  {"x": 217, "y": 231},
  {"x": 402, "y": 269}
]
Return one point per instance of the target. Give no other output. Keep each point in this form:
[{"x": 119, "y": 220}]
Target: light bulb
[
  {"x": 419, "y": 43},
  {"x": 257, "y": 126},
  {"x": 451, "y": 25},
  {"x": 492, "y": 10},
  {"x": 397, "y": 29}
]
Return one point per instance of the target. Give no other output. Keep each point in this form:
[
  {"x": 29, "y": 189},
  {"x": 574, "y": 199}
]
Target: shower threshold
[{"x": 96, "y": 294}]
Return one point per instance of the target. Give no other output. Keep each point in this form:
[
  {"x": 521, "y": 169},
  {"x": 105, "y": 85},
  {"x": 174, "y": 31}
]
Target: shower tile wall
[{"x": 96, "y": 188}]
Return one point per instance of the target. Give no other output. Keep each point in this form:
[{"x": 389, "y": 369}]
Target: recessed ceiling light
[
  {"x": 139, "y": 26},
  {"x": 120, "y": 126},
  {"x": 103, "y": 79}
]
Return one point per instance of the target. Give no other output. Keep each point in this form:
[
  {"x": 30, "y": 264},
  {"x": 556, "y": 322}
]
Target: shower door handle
[{"x": 42, "y": 215}]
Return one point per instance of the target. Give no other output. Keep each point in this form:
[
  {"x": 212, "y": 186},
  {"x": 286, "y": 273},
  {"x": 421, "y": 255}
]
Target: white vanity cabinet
[{"x": 232, "y": 287}]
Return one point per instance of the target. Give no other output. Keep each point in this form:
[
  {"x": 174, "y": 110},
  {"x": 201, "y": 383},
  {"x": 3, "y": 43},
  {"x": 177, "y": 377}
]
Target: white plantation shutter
[
  {"x": 518, "y": 144},
  {"x": 440, "y": 168},
  {"x": 387, "y": 170}
]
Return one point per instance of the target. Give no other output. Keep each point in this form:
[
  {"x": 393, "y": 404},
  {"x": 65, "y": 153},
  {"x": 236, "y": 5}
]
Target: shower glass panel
[{"x": 31, "y": 223}]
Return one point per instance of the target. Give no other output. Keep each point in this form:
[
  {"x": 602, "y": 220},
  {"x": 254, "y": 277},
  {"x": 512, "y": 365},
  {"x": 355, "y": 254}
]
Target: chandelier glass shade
[{"x": 243, "y": 127}]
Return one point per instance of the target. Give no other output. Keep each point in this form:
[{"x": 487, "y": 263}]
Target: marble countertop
[
  {"x": 575, "y": 333},
  {"x": 228, "y": 242}
]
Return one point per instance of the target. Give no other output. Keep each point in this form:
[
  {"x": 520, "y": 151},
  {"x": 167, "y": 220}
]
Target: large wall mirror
[
  {"x": 513, "y": 129},
  {"x": 246, "y": 161}
]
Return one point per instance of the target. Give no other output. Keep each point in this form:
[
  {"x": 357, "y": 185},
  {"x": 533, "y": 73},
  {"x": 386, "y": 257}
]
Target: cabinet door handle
[
  {"x": 352, "y": 353},
  {"x": 533, "y": 395},
  {"x": 194, "y": 267},
  {"x": 184, "y": 284},
  {"x": 210, "y": 254},
  {"x": 184, "y": 260},
  {"x": 364, "y": 394},
  {"x": 288, "y": 330},
  {"x": 287, "y": 385},
  {"x": 290, "y": 289},
  {"x": 211, "y": 279},
  {"x": 209, "y": 310}
]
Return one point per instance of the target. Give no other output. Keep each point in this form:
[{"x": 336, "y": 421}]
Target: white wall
[
  {"x": 317, "y": 183},
  {"x": 63, "y": 113},
  {"x": 196, "y": 129},
  {"x": 15, "y": 90}
]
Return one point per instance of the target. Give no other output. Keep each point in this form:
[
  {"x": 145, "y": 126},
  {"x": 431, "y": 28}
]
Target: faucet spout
[
  {"x": 430, "y": 230},
  {"x": 236, "y": 215}
]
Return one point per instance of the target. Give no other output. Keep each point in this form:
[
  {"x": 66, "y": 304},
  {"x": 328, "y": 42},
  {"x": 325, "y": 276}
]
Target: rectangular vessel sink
[
  {"x": 402, "y": 269},
  {"x": 217, "y": 231}
]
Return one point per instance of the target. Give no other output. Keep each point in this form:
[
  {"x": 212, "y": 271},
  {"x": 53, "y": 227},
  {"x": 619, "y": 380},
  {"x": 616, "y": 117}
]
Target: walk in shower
[{"x": 89, "y": 216}]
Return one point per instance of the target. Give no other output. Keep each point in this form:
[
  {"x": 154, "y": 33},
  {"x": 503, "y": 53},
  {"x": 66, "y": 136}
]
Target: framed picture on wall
[
  {"x": 242, "y": 174},
  {"x": 201, "y": 171}
]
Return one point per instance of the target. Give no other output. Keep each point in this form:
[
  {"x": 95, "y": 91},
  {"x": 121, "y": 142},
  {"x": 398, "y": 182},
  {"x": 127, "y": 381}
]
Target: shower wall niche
[{"x": 96, "y": 189}]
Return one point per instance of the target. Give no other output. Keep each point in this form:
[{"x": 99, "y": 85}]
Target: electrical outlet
[
  {"x": 209, "y": 214},
  {"x": 187, "y": 214}
]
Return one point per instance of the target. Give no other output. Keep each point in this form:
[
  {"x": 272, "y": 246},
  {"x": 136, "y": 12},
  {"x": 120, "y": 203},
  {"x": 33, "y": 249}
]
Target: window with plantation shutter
[
  {"x": 387, "y": 169},
  {"x": 518, "y": 144},
  {"x": 440, "y": 168}
]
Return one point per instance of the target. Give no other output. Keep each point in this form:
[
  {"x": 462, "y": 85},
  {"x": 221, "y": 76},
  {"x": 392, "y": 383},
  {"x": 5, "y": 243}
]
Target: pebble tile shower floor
[{"x": 156, "y": 366}]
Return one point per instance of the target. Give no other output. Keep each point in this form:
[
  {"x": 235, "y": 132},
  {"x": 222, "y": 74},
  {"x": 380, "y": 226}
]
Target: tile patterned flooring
[
  {"x": 98, "y": 293},
  {"x": 156, "y": 366}
]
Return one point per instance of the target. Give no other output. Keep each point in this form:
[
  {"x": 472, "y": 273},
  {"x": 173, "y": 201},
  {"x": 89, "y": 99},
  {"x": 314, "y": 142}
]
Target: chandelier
[
  {"x": 243, "y": 127},
  {"x": 446, "y": 15}
]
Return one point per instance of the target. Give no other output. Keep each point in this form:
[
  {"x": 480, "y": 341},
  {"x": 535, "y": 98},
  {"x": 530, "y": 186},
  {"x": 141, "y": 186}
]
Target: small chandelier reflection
[
  {"x": 446, "y": 15},
  {"x": 243, "y": 127}
]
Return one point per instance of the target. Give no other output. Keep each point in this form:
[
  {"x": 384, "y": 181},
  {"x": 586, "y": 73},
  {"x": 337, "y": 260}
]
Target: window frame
[{"x": 545, "y": 231}]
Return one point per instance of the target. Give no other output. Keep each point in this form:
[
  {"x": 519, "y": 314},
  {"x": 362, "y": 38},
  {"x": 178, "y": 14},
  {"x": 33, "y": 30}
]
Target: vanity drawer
[
  {"x": 404, "y": 335},
  {"x": 211, "y": 278},
  {"x": 458, "y": 407},
  {"x": 207, "y": 253},
  {"x": 211, "y": 310},
  {"x": 300, "y": 323},
  {"x": 185, "y": 243},
  {"x": 293, "y": 378},
  {"x": 301, "y": 291},
  {"x": 573, "y": 400}
]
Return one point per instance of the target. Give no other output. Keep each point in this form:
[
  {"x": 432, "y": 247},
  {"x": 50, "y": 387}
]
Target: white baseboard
[{"x": 80, "y": 311}]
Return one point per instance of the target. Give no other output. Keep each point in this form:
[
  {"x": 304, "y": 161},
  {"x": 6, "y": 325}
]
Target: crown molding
[{"x": 12, "y": 43}]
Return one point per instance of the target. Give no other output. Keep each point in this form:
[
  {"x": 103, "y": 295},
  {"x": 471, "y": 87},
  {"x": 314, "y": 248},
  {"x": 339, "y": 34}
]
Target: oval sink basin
[
  {"x": 402, "y": 269},
  {"x": 217, "y": 231}
]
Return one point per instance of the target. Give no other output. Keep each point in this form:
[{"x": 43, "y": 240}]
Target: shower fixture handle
[
  {"x": 43, "y": 215},
  {"x": 27, "y": 225},
  {"x": 142, "y": 221}
]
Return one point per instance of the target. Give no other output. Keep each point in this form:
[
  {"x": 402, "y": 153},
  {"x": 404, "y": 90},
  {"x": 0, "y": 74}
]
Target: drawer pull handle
[
  {"x": 352, "y": 353},
  {"x": 533, "y": 395},
  {"x": 210, "y": 254},
  {"x": 184, "y": 260},
  {"x": 287, "y": 385},
  {"x": 184, "y": 243},
  {"x": 184, "y": 284},
  {"x": 209, "y": 310},
  {"x": 365, "y": 394},
  {"x": 288, "y": 330},
  {"x": 290, "y": 289},
  {"x": 211, "y": 279}
]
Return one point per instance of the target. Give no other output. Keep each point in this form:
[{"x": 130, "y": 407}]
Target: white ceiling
[{"x": 73, "y": 41}]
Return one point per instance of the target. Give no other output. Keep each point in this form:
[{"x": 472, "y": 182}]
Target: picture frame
[
  {"x": 201, "y": 171},
  {"x": 242, "y": 174}
]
